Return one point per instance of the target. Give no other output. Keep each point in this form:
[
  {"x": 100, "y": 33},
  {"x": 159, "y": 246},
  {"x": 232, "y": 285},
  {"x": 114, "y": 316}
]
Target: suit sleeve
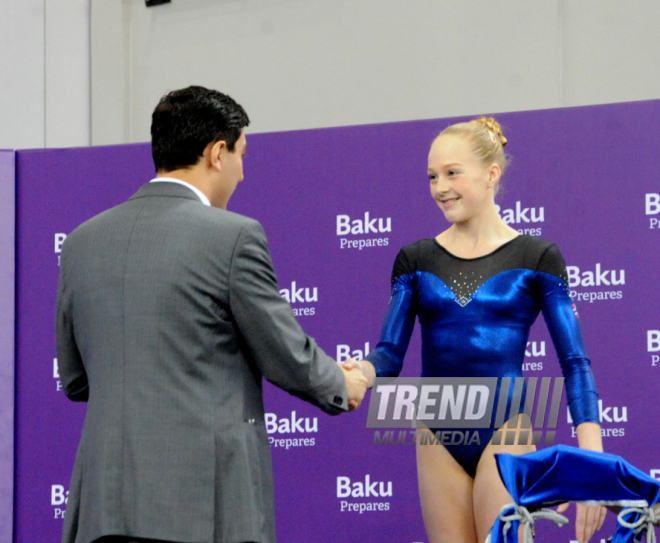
[
  {"x": 563, "y": 323},
  {"x": 71, "y": 369},
  {"x": 387, "y": 357},
  {"x": 283, "y": 353}
]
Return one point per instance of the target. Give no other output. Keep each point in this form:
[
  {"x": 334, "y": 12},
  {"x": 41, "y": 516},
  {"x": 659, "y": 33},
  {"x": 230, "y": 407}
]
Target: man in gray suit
[{"x": 168, "y": 316}]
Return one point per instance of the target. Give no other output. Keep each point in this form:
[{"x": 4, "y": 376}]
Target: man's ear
[{"x": 213, "y": 154}]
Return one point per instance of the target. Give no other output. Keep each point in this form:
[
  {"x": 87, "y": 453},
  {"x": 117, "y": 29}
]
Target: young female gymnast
[{"x": 477, "y": 288}]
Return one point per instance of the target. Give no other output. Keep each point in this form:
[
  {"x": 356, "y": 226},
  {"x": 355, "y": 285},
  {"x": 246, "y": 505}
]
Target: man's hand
[
  {"x": 356, "y": 386},
  {"x": 365, "y": 367}
]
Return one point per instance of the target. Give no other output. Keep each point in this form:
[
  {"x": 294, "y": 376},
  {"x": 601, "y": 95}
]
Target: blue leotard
[{"x": 475, "y": 316}]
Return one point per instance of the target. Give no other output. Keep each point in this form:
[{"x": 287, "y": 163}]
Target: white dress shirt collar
[{"x": 198, "y": 192}]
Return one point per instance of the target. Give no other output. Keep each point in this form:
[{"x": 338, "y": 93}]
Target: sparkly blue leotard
[{"x": 475, "y": 316}]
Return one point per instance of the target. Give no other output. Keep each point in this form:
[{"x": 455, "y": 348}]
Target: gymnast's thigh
[
  {"x": 445, "y": 492},
  {"x": 490, "y": 494}
]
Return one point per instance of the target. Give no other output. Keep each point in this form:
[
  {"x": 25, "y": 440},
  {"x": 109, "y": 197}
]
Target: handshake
[{"x": 359, "y": 376}]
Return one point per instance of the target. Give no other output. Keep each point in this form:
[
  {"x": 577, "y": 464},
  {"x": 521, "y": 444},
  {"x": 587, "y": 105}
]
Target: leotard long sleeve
[{"x": 475, "y": 315}]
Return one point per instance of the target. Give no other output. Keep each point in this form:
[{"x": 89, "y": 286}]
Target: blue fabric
[
  {"x": 559, "y": 474},
  {"x": 485, "y": 335}
]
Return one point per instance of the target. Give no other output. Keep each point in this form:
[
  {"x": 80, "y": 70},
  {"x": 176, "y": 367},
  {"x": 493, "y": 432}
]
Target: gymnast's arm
[
  {"x": 564, "y": 326},
  {"x": 386, "y": 360}
]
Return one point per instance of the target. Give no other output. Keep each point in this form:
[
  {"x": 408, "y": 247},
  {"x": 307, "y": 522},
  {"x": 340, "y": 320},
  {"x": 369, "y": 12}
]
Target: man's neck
[
  {"x": 189, "y": 175},
  {"x": 192, "y": 176}
]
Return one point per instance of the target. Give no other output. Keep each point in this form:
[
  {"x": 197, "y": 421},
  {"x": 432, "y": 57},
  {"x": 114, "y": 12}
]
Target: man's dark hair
[{"x": 185, "y": 121}]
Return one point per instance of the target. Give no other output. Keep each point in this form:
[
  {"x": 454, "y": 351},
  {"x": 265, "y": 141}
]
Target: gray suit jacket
[{"x": 168, "y": 316}]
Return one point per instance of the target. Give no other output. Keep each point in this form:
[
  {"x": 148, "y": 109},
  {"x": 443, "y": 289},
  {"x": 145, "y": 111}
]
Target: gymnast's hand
[{"x": 588, "y": 519}]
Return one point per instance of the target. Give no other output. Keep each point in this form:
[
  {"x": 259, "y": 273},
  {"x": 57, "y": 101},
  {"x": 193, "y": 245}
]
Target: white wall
[
  {"x": 305, "y": 64},
  {"x": 22, "y": 74},
  {"x": 67, "y": 57},
  {"x": 298, "y": 64},
  {"x": 44, "y": 73}
]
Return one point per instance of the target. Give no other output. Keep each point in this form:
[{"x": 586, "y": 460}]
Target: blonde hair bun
[{"x": 494, "y": 129}]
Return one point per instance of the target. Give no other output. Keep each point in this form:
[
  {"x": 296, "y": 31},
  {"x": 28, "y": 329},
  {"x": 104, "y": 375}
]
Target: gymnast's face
[{"x": 460, "y": 184}]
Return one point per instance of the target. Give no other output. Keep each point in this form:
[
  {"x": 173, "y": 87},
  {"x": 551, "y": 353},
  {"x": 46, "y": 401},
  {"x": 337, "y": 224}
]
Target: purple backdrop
[
  {"x": 583, "y": 177},
  {"x": 7, "y": 216}
]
